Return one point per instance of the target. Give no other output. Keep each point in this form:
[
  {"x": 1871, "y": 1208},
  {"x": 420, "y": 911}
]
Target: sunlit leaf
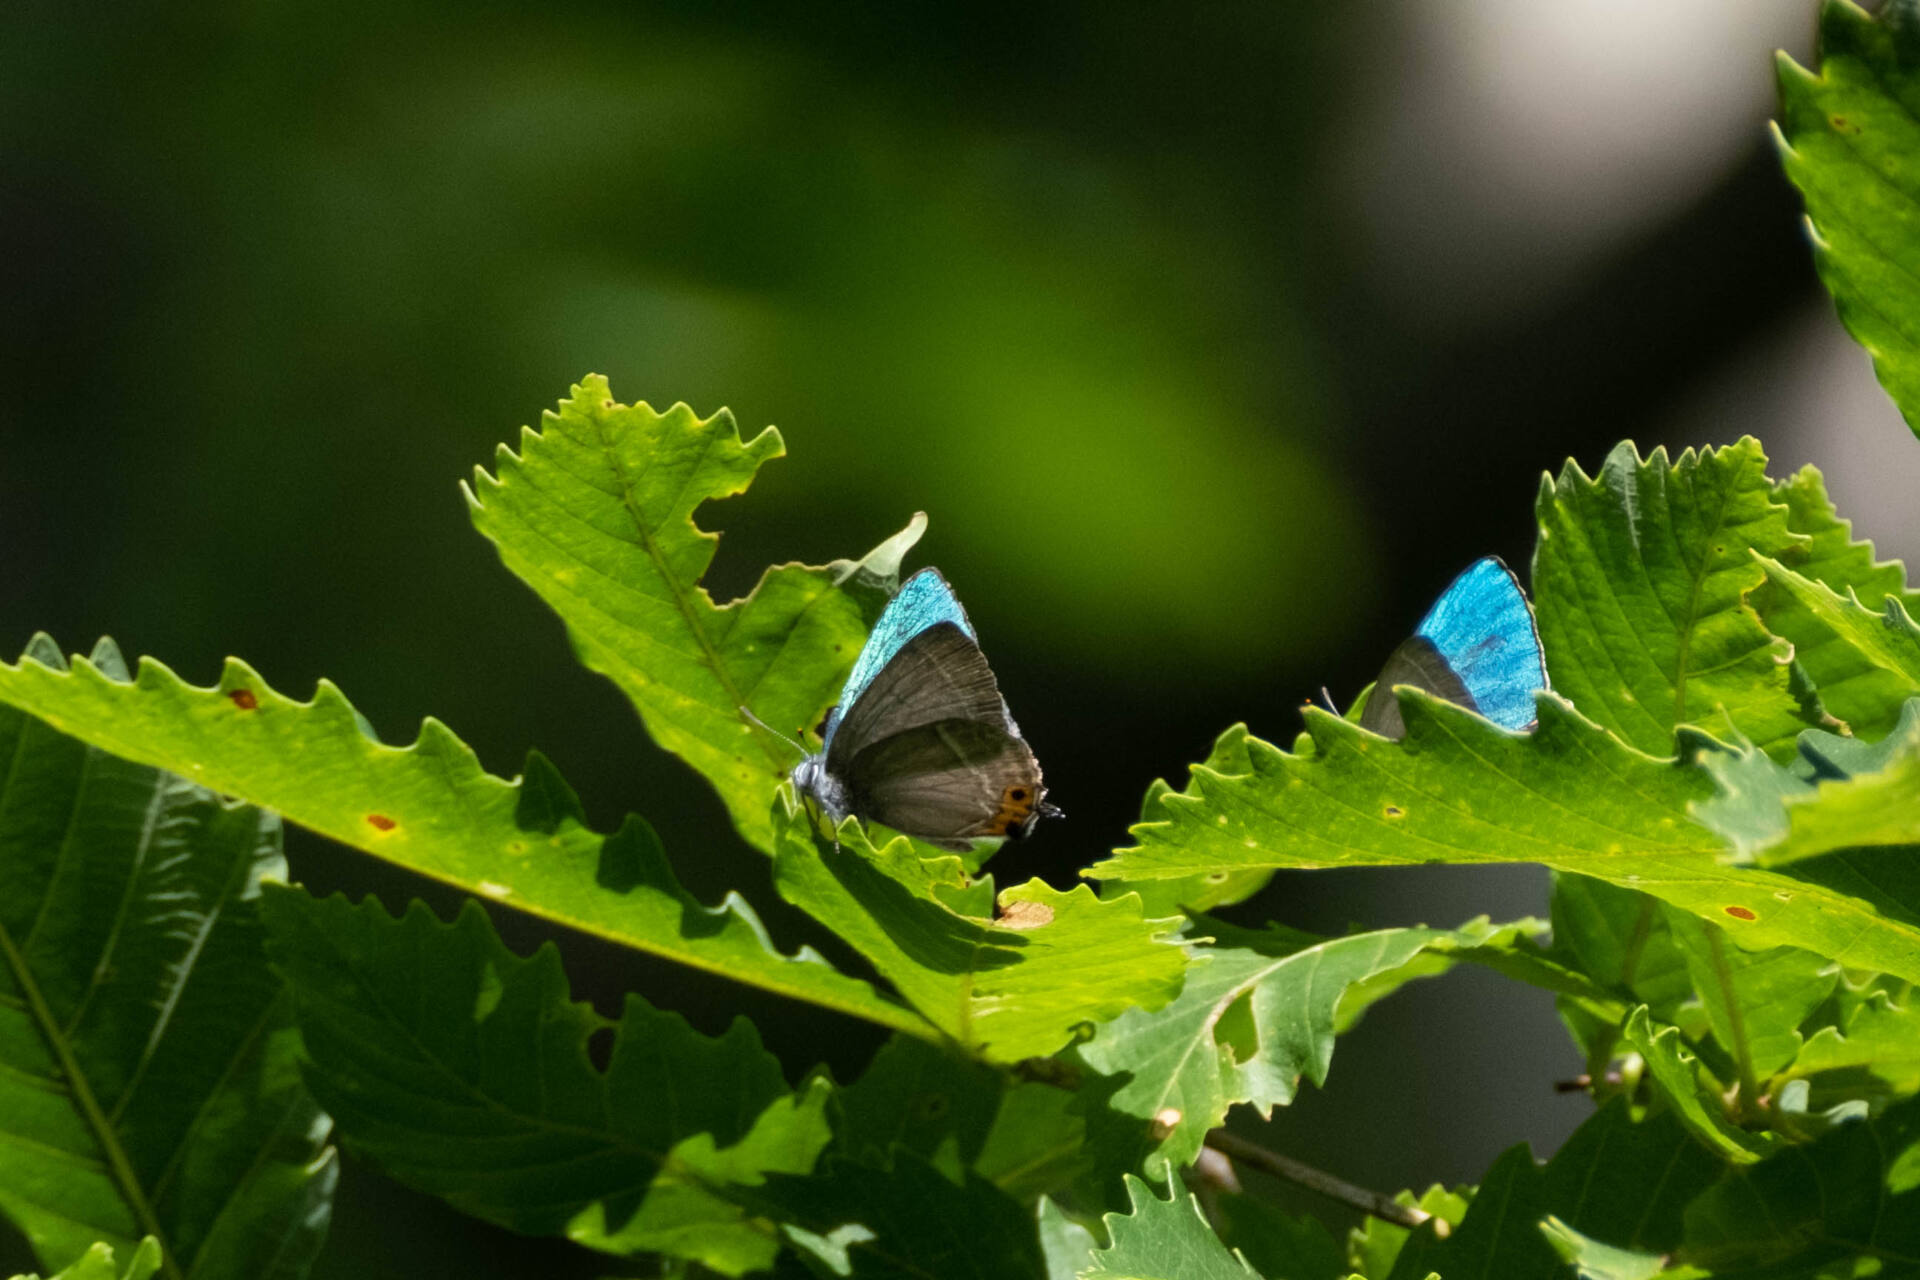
[
  {"x": 1254, "y": 1017},
  {"x": 431, "y": 808},
  {"x": 595, "y": 513},
  {"x": 1067, "y": 1245},
  {"x": 1022, "y": 986},
  {"x": 1374, "y": 1246},
  {"x": 1497, "y": 1237},
  {"x": 1568, "y": 795},
  {"x": 463, "y": 1069},
  {"x": 1754, "y": 1001},
  {"x": 1863, "y": 654},
  {"x": 147, "y": 1081},
  {"x": 1847, "y": 138},
  {"x": 97, "y": 1264},
  {"x": 1676, "y": 1074},
  {"x": 1164, "y": 1240},
  {"x": 1875, "y": 1053},
  {"x": 1592, "y": 1260},
  {"x": 1849, "y": 653},
  {"x": 1639, "y": 581},
  {"x": 1857, "y": 802}
]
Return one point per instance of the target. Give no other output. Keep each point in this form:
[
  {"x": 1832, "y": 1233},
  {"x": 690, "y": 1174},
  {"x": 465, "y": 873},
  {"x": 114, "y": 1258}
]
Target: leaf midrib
[
  {"x": 647, "y": 543},
  {"x": 121, "y": 1169}
]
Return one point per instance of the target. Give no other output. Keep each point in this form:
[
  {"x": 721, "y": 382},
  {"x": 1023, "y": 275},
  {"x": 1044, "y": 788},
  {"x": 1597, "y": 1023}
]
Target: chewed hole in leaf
[{"x": 1236, "y": 1029}]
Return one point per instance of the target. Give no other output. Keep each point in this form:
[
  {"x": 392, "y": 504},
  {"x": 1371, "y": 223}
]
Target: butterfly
[
  {"x": 922, "y": 740},
  {"x": 1476, "y": 647}
]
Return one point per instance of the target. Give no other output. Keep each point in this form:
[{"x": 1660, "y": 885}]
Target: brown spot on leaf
[
  {"x": 381, "y": 822},
  {"x": 1024, "y": 915},
  {"x": 1742, "y": 913},
  {"x": 243, "y": 699},
  {"x": 1394, "y": 811}
]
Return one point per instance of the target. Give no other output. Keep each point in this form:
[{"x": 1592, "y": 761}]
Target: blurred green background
[{"x": 1214, "y": 343}]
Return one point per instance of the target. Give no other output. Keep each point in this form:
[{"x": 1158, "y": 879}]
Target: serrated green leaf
[
  {"x": 1497, "y": 1237},
  {"x": 1569, "y": 795},
  {"x": 1067, "y": 1246},
  {"x": 1277, "y": 1243},
  {"x": 1020, "y": 989},
  {"x": 1210, "y": 889},
  {"x": 147, "y": 1081},
  {"x": 1164, "y": 1240},
  {"x": 1640, "y": 580},
  {"x": 97, "y": 1264},
  {"x": 1863, "y": 655},
  {"x": 1755, "y": 1001},
  {"x": 595, "y": 513},
  {"x": 1374, "y": 1246},
  {"x": 1592, "y": 1260},
  {"x": 1676, "y": 1073},
  {"x": 462, "y": 1069},
  {"x": 1614, "y": 1181},
  {"x": 1842, "y": 797},
  {"x": 1850, "y": 1193},
  {"x": 1851, "y": 686},
  {"x": 928, "y": 1098},
  {"x": 431, "y": 808},
  {"x": 1508, "y": 949},
  {"x": 1847, "y": 139},
  {"x": 1191, "y": 1061},
  {"x": 1621, "y": 939},
  {"x": 906, "y": 1222},
  {"x": 1875, "y": 1054}
]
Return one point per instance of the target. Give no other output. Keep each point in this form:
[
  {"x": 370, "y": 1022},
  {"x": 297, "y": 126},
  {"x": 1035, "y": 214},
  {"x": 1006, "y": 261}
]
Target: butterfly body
[
  {"x": 922, "y": 741},
  {"x": 1477, "y": 646}
]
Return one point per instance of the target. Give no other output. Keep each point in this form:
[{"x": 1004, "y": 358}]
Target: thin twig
[{"x": 1380, "y": 1206}]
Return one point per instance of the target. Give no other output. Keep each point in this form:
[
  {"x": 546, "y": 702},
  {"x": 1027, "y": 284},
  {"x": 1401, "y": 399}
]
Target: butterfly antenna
[{"x": 751, "y": 718}]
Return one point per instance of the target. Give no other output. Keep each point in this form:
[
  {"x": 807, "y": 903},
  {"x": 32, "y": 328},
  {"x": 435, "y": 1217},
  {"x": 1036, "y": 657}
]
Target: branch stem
[{"x": 1286, "y": 1168}]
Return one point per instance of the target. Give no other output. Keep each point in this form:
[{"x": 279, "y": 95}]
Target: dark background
[{"x": 1214, "y": 343}]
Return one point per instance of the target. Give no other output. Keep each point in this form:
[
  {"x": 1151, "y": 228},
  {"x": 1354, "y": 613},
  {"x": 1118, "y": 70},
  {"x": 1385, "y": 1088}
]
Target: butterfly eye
[{"x": 1016, "y": 794}]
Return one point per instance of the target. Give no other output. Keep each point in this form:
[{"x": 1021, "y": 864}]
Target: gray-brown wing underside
[
  {"x": 929, "y": 749},
  {"x": 938, "y": 675},
  {"x": 949, "y": 782},
  {"x": 1418, "y": 663}
]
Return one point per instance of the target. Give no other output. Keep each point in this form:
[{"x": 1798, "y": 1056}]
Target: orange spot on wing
[
  {"x": 1741, "y": 913},
  {"x": 243, "y": 699},
  {"x": 381, "y": 822}
]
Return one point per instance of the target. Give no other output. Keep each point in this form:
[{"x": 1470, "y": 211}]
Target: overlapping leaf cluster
[{"x": 1725, "y": 780}]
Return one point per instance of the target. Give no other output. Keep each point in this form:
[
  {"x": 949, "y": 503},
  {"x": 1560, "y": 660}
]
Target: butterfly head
[{"x": 811, "y": 779}]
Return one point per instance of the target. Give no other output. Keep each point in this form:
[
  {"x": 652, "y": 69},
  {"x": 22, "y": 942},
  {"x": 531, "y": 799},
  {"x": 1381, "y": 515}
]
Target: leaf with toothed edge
[
  {"x": 1460, "y": 790},
  {"x": 1259, "y": 1012},
  {"x": 1847, "y": 136},
  {"x": 1164, "y": 1240},
  {"x": 98, "y": 1264},
  {"x": 428, "y": 807},
  {"x": 1020, "y": 987},
  {"x": 595, "y": 513},
  {"x": 1845, "y": 802},
  {"x": 1863, "y": 656},
  {"x": 462, "y": 1069},
  {"x": 147, "y": 1079},
  {"x": 1640, "y": 579}
]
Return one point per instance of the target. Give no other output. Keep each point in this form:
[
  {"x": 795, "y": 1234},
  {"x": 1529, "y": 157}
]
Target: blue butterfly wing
[
  {"x": 924, "y": 600},
  {"x": 1483, "y": 627}
]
